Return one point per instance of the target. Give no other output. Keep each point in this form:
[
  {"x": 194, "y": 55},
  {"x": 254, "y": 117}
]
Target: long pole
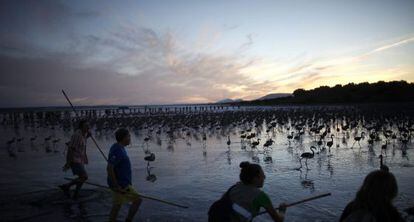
[
  {"x": 300, "y": 201},
  {"x": 93, "y": 139},
  {"x": 143, "y": 196}
]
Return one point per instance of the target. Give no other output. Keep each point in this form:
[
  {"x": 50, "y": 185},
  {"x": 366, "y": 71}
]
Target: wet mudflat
[{"x": 195, "y": 171}]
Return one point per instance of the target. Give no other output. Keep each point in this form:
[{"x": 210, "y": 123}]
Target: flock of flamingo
[{"x": 324, "y": 126}]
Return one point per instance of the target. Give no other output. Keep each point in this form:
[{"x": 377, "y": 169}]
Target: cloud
[
  {"x": 391, "y": 45},
  {"x": 128, "y": 63},
  {"x": 248, "y": 44},
  {"x": 314, "y": 72},
  {"x": 160, "y": 72},
  {"x": 29, "y": 26},
  {"x": 145, "y": 67}
]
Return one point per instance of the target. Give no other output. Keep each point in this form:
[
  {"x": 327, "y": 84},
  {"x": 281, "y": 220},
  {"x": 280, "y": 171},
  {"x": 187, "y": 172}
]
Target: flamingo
[
  {"x": 55, "y": 141},
  {"x": 268, "y": 143},
  {"x": 20, "y": 148},
  {"x": 330, "y": 143},
  {"x": 357, "y": 139},
  {"x": 382, "y": 166},
  {"x": 290, "y": 137},
  {"x": 384, "y": 146},
  {"x": 268, "y": 159},
  {"x": 150, "y": 157},
  {"x": 320, "y": 143},
  {"x": 10, "y": 142},
  {"x": 9, "y": 148},
  {"x": 306, "y": 156},
  {"x": 255, "y": 143},
  {"x": 47, "y": 146},
  {"x": 404, "y": 142}
]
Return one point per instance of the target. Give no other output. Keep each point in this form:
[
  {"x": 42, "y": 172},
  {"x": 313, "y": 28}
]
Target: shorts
[
  {"x": 130, "y": 195},
  {"x": 78, "y": 169}
]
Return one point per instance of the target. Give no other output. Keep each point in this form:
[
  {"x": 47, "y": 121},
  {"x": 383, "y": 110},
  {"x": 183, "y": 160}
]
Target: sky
[{"x": 171, "y": 51}]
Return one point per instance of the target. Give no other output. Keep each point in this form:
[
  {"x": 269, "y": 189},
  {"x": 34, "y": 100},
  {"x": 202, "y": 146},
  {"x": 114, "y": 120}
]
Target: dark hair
[
  {"x": 249, "y": 171},
  {"x": 120, "y": 134},
  {"x": 81, "y": 123},
  {"x": 377, "y": 192}
]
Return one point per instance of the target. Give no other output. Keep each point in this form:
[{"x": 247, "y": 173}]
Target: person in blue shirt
[{"x": 119, "y": 177}]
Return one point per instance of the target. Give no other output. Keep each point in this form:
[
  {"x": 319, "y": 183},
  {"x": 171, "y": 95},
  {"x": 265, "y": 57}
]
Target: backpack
[{"x": 221, "y": 210}]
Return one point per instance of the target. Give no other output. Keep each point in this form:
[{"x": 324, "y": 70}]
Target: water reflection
[
  {"x": 274, "y": 141},
  {"x": 305, "y": 182}
]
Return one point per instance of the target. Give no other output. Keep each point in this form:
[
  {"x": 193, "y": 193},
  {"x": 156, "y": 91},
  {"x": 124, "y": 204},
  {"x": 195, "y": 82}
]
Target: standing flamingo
[
  {"x": 357, "y": 139},
  {"x": 382, "y": 166},
  {"x": 290, "y": 137},
  {"x": 306, "y": 156},
  {"x": 330, "y": 143}
]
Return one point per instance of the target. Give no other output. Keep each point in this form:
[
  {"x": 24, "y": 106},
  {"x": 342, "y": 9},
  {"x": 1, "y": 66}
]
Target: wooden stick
[
  {"x": 299, "y": 202},
  {"x": 143, "y": 196},
  {"x": 93, "y": 139},
  {"x": 100, "y": 150}
]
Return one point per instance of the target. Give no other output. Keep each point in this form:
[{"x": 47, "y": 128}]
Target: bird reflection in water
[
  {"x": 150, "y": 176},
  {"x": 307, "y": 183}
]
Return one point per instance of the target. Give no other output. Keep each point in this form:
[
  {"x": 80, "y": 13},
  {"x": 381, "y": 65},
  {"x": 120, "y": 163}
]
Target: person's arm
[
  {"x": 277, "y": 217},
  {"x": 68, "y": 159},
  {"x": 264, "y": 201},
  {"x": 112, "y": 176},
  {"x": 69, "y": 154},
  {"x": 112, "y": 162}
]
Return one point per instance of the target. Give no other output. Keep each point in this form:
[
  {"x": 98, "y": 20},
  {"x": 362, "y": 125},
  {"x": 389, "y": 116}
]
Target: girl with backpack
[{"x": 244, "y": 199}]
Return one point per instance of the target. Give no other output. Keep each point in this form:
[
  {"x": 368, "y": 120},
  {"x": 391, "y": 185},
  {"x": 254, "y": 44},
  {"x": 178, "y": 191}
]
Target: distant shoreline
[{"x": 244, "y": 104}]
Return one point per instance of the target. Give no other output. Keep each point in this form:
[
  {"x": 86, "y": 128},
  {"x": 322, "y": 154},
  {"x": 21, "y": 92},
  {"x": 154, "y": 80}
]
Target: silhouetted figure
[
  {"x": 247, "y": 198},
  {"x": 120, "y": 177},
  {"x": 76, "y": 158},
  {"x": 373, "y": 201}
]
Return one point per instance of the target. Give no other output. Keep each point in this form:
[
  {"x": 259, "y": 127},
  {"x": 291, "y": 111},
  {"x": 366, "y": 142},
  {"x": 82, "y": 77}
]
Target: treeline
[{"x": 395, "y": 91}]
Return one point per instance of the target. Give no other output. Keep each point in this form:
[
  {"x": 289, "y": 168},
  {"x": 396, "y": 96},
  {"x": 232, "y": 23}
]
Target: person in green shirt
[{"x": 248, "y": 198}]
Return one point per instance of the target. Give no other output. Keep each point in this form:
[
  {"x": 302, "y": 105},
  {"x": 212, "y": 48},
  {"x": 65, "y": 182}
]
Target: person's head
[
  {"x": 251, "y": 174},
  {"x": 123, "y": 137},
  {"x": 83, "y": 125},
  {"x": 379, "y": 187}
]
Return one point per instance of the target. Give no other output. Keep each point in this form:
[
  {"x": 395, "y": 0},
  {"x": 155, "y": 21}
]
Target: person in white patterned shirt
[{"x": 76, "y": 158}]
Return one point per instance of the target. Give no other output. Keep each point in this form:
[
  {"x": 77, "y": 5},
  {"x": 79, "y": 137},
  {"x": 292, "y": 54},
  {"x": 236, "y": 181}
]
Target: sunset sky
[{"x": 163, "y": 52}]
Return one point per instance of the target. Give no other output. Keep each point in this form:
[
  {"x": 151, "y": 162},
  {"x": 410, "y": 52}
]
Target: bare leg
[
  {"x": 71, "y": 183},
  {"x": 133, "y": 209},
  {"x": 114, "y": 212},
  {"x": 79, "y": 184},
  {"x": 66, "y": 187}
]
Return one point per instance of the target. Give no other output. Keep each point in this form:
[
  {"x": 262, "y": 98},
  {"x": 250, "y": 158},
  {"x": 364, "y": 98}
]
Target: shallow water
[{"x": 189, "y": 176}]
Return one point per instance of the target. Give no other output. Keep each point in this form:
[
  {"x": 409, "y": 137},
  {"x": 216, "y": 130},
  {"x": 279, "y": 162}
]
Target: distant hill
[
  {"x": 274, "y": 96},
  {"x": 394, "y": 91},
  {"x": 230, "y": 101}
]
